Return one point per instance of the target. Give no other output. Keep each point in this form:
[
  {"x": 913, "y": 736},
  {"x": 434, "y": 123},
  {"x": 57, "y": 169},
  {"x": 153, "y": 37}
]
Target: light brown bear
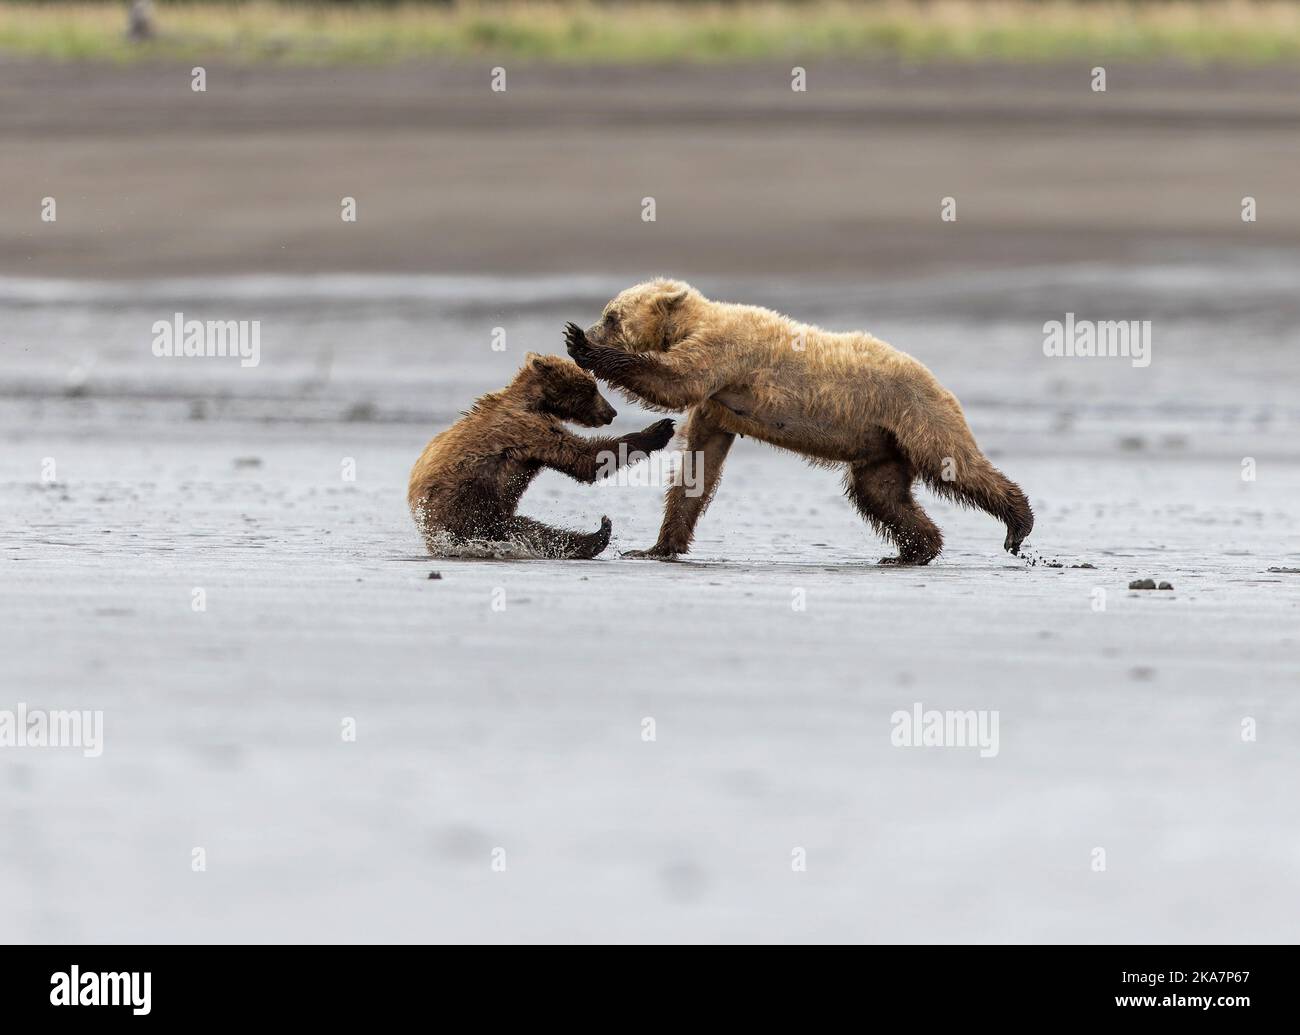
[
  {"x": 468, "y": 481},
  {"x": 838, "y": 399}
]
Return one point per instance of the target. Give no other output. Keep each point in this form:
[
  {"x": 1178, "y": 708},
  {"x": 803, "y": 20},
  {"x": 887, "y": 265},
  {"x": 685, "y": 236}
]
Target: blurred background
[
  {"x": 542, "y": 166},
  {"x": 499, "y": 158}
]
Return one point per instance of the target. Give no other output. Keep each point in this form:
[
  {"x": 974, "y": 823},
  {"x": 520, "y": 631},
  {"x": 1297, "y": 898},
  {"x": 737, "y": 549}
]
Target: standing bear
[
  {"x": 844, "y": 399},
  {"x": 468, "y": 481}
]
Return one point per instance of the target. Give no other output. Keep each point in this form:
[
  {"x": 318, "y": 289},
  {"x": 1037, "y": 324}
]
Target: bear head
[
  {"x": 650, "y": 317},
  {"x": 561, "y": 388}
]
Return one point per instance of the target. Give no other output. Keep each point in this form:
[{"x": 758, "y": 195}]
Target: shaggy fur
[
  {"x": 838, "y": 399},
  {"x": 468, "y": 481}
]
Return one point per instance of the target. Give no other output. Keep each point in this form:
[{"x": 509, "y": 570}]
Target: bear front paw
[
  {"x": 658, "y": 435},
  {"x": 575, "y": 341}
]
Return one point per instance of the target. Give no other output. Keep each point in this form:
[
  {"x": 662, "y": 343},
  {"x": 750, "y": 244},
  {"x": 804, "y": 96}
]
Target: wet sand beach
[{"x": 500, "y": 710}]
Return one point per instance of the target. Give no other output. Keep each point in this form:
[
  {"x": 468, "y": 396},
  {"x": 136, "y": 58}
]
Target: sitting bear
[
  {"x": 844, "y": 399},
  {"x": 468, "y": 481}
]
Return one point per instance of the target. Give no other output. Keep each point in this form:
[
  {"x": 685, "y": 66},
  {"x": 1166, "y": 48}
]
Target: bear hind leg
[
  {"x": 945, "y": 455},
  {"x": 559, "y": 543},
  {"x": 881, "y": 489},
  {"x": 974, "y": 482}
]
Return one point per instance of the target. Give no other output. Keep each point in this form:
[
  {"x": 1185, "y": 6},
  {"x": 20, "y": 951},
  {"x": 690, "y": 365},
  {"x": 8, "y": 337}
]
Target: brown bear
[
  {"x": 844, "y": 399},
  {"x": 468, "y": 481}
]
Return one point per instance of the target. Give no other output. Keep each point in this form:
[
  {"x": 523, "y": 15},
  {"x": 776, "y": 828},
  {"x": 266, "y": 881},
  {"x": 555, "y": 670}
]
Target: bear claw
[
  {"x": 659, "y": 434},
  {"x": 656, "y": 553},
  {"x": 575, "y": 341}
]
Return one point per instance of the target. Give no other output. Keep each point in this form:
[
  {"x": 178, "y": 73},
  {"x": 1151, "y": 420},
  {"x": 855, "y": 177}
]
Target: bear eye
[{"x": 610, "y": 319}]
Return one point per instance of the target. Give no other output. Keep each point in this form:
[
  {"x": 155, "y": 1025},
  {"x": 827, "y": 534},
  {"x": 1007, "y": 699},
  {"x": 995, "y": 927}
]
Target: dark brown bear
[{"x": 468, "y": 481}]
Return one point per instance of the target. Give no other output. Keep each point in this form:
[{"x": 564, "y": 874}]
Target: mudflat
[
  {"x": 503, "y": 706},
  {"x": 217, "y": 557}
]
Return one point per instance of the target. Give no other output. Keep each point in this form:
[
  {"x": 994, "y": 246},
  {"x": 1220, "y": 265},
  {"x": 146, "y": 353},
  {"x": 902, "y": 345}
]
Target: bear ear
[
  {"x": 532, "y": 359},
  {"x": 674, "y": 297}
]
